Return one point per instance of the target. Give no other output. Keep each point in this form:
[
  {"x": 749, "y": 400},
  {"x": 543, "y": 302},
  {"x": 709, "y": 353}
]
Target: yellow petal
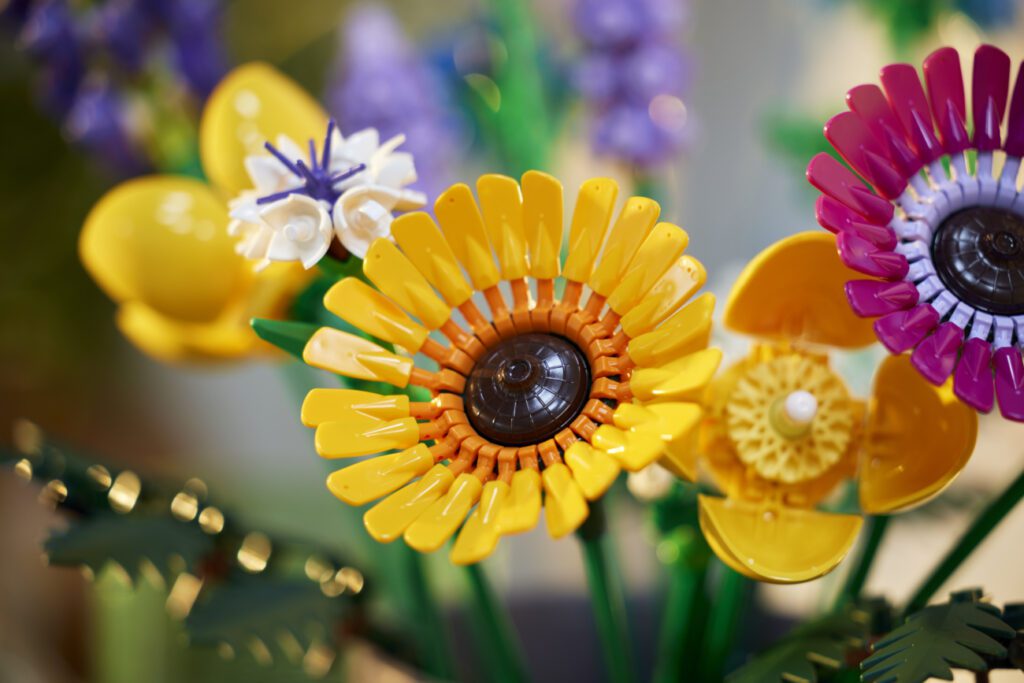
[
  {"x": 422, "y": 242},
  {"x": 346, "y": 354},
  {"x": 172, "y": 341},
  {"x": 522, "y": 507},
  {"x": 794, "y": 290},
  {"x": 353, "y": 434},
  {"x": 370, "y": 479},
  {"x": 252, "y": 105},
  {"x": 463, "y": 227},
  {"x": 442, "y": 519},
  {"x": 593, "y": 469},
  {"x": 479, "y": 536},
  {"x": 364, "y": 307},
  {"x": 594, "y": 206},
  {"x": 388, "y": 519},
  {"x": 634, "y": 450},
  {"x": 564, "y": 506},
  {"x": 502, "y": 208},
  {"x": 686, "y": 331},
  {"x": 324, "y": 405},
  {"x": 634, "y": 223},
  {"x": 918, "y": 439},
  {"x": 163, "y": 241},
  {"x": 675, "y": 287},
  {"x": 676, "y": 424},
  {"x": 682, "y": 379},
  {"x": 652, "y": 260},
  {"x": 543, "y": 218},
  {"x": 777, "y": 545},
  {"x": 395, "y": 275}
]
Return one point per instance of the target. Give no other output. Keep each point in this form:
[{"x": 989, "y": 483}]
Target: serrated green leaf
[
  {"x": 936, "y": 639},
  {"x": 285, "y": 335},
  {"x": 264, "y": 608},
  {"x": 127, "y": 540}
]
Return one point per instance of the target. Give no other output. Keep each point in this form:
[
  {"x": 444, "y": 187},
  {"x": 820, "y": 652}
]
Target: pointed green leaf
[{"x": 287, "y": 336}]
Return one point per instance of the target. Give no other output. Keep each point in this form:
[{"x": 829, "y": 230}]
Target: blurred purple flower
[
  {"x": 98, "y": 123},
  {"x": 634, "y": 75},
  {"x": 381, "y": 82}
]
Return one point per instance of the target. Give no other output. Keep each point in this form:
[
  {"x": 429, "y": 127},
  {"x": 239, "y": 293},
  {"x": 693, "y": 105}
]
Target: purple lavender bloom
[
  {"x": 381, "y": 82},
  {"x": 195, "y": 27},
  {"x": 98, "y": 123}
]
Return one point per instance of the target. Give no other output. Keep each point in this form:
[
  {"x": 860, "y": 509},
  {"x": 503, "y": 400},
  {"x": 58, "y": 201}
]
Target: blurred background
[{"x": 86, "y": 101}]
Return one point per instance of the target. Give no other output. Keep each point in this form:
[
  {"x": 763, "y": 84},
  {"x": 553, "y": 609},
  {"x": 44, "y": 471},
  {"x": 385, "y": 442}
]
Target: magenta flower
[{"x": 942, "y": 236}]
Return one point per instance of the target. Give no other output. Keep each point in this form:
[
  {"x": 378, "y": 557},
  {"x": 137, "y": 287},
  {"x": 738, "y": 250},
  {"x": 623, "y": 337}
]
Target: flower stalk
[{"x": 497, "y": 635}]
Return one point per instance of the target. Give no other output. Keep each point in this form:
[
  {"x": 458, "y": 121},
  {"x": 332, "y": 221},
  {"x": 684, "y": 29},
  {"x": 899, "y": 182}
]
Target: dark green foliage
[{"x": 287, "y": 336}]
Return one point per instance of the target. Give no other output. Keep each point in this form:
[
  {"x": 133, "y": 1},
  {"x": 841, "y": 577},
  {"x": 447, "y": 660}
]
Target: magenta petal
[
  {"x": 835, "y": 180},
  {"x": 903, "y": 330},
  {"x": 1010, "y": 382},
  {"x": 946, "y": 91},
  {"x": 973, "y": 382},
  {"x": 853, "y": 140},
  {"x": 864, "y": 257},
  {"x": 909, "y": 103},
  {"x": 1014, "y": 144},
  {"x": 989, "y": 87},
  {"x": 836, "y": 217},
  {"x": 935, "y": 357},
  {"x": 872, "y": 298},
  {"x": 870, "y": 104}
]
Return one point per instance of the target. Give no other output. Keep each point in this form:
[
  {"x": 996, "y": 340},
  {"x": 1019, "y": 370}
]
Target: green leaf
[
  {"x": 128, "y": 540},
  {"x": 271, "y": 610},
  {"x": 287, "y": 336},
  {"x": 936, "y": 639},
  {"x": 807, "y": 652}
]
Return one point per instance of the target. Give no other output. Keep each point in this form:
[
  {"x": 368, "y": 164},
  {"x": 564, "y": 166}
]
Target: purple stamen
[
  {"x": 327, "y": 144},
  {"x": 312, "y": 154},
  {"x": 282, "y": 158},
  {"x": 345, "y": 175}
]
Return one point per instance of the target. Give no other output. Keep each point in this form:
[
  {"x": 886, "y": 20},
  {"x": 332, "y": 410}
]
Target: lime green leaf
[{"x": 287, "y": 336}]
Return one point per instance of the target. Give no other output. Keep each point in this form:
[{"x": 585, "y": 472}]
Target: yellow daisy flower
[
  {"x": 541, "y": 403},
  {"x": 782, "y": 430},
  {"x": 159, "y": 245}
]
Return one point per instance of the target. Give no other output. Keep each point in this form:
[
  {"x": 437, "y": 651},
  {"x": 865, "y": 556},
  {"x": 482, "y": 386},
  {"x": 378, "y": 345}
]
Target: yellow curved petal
[
  {"x": 919, "y": 437},
  {"x": 396, "y": 276},
  {"x": 253, "y": 104},
  {"x": 372, "y": 478},
  {"x": 364, "y": 307},
  {"x": 163, "y": 241},
  {"x": 172, "y": 341},
  {"x": 593, "y": 469},
  {"x": 388, "y": 519},
  {"x": 521, "y": 509},
  {"x": 479, "y": 536},
  {"x": 676, "y": 424},
  {"x": 675, "y": 287},
  {"x": 633, "y": 450},
  {"x": 780, "y": 545},
  {"x": 463, "y": 227},
  {"x": 441, "y": 520},
  {"x": 688, "y": 330},
  {"x": 564, "y": 506},
  {"x": 794, "y": 290},
  {"x": 351, "y": 434},
  {"x": 423, "y": 244},
  {"x": 346, "y": 354},
  {"x": 594, "y": 206},
  {"x": 324, "y": 405},
  {"x": 683, "y": 379},
  {"x": 652, "y": 260},
  {"x": 543, "y": 219},
  {"x": 502, "y": 208},
  {"x": 635, "y": 222}
]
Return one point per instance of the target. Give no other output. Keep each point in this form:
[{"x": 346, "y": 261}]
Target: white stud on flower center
[
  {"x": 300, "y": 229},
  {"x": 801, "y": 407}
]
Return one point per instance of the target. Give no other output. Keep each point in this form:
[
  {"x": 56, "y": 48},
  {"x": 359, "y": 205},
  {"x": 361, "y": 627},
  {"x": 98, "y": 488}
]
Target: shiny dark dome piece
[
  {"x": 526, "y": 389},
  {"x": 979, "y": 256}
]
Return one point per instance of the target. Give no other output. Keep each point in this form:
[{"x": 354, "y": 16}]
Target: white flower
[
  {"x": 296, "y": 228},
  {"x": 651, "y": 483}
]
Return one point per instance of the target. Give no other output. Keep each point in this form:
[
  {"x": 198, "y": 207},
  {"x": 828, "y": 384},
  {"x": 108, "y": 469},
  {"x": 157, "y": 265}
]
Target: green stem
[
  {"x": 496, "y": 635},
  {"x": 983, "y": 524},
  {"x": 720, "y": 633},
  {"x": 606, "y": 597},
  {"x": 431, "y": 643},
  {"x": 851, "y": 590},
  {"x": 685, "y": 612}
]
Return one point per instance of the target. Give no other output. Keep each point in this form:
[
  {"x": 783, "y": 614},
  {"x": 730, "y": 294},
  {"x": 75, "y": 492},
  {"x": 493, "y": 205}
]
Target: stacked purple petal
[
  {"x": 381, "y": 82},
  {"x": 635, "y": 76}
]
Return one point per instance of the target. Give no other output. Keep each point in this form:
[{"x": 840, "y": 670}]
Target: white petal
[
  {"x": 396, "y": 170},
  {"x": 358, "y": 148},
  {"x": 268, "y": 175}
]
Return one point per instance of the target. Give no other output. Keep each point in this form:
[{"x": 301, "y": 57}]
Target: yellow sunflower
[
  {"x": 782, "y": 430},
  {"x": 539, "y": 404},
  {"x": 159, "y": 245}
]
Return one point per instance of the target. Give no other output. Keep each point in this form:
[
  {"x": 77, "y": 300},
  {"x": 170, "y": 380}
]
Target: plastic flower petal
[
  {"x": 538, "y": 402},
  {"x": 943, "y": 250},
  {"x": 782, "y": 430}
]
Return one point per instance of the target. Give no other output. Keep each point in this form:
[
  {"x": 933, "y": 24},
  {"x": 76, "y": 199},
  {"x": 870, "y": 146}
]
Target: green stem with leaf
[
  {"x": 606, "y": 596},
  {"x": 987, "y": 520},
  {"x": 495, "y": 632}
]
